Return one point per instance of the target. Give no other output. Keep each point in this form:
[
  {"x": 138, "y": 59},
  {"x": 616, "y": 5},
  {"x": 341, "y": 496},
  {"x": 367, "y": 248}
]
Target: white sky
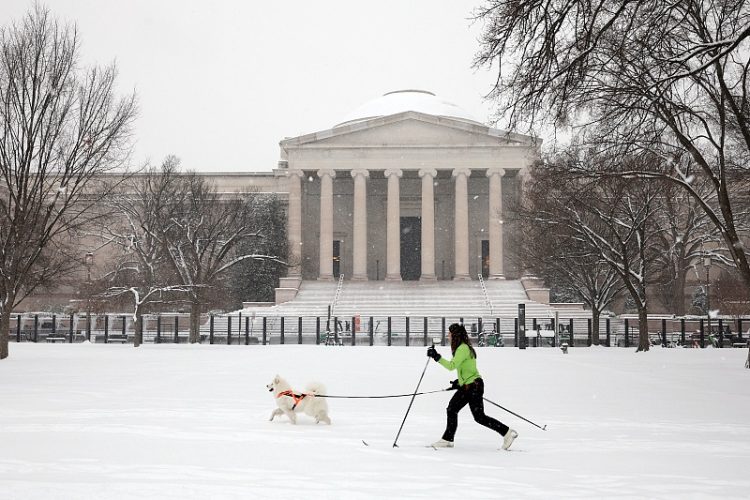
[{"x": 220, "y": 83}]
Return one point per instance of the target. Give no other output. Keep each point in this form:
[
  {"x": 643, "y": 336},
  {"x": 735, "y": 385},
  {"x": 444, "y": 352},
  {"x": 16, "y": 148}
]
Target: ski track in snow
[{"x": 107, "y": 421}]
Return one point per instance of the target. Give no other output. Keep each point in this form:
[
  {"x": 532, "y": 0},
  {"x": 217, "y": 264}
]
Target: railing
[
  {"x": 487, "y": 300},
  {"x": 239, "y": 329},
  {"x": 336, "y": 296}
]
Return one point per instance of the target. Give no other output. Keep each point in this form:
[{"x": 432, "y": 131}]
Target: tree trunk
[
  {"x": 138, "y": 328},
  {"x": 643, "y": 343},
  {"x": 4, "y": 331},
  {"x": 679, "y": 292},
  {"x": 595, "y": 326},
  {"x": 195, "y": 322}
]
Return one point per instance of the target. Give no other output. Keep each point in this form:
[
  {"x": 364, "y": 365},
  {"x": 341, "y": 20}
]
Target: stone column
[
  {"x": 428, "y": 224},
  {"x": 461, "y": 223},
  {"x": 496, "y": 222},
  {"x": 294, "y": 222},
  {"x": 359, "y": 225},
  {"x": 326, "y": 224},
  {"x": 393, "y": 226}
]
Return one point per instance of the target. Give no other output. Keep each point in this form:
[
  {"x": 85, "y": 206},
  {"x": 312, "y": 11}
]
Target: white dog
[{"x": 290, "y": 402}]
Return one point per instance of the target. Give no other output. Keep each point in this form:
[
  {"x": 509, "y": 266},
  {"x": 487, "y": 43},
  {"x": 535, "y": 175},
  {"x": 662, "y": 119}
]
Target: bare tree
[
  {"x": 181, "y": 238},
  {"x": 138, "y": 209},
  {"x": 60, "y": 128},
  {"x": 552, "y": 247},
  {"x": 686, "y": 235},
  {"x": 666, "y": 78}
]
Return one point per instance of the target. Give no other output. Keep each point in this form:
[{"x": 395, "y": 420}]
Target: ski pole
[
  {"x": 516, "y": 414},
  {"x": 410, "y": 403}
]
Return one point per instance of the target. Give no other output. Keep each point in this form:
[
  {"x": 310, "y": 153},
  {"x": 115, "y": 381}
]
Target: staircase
[{"x": 410, "y": 298}]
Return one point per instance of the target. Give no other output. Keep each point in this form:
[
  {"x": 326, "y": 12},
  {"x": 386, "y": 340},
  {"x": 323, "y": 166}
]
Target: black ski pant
[{"x": 470, "y": 394}]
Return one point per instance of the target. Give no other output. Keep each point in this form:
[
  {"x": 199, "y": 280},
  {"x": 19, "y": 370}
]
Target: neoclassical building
[{"x": 407, "y": 187}]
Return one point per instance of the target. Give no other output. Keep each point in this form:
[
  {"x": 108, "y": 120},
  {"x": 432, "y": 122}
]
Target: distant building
[{"x": 407, "y": 187}]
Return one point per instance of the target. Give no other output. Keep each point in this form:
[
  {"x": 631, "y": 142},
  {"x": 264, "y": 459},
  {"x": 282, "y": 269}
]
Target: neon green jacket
[{"x": 464, "y": 363}]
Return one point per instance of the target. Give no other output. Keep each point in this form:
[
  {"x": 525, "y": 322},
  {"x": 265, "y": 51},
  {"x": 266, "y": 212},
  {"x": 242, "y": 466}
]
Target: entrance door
[
  {"x": 485, "y": 258},
  {"x": 336, "y": 259},
  {"x": 411, "y": 248}
]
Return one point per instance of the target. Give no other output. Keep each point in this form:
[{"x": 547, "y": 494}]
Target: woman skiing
[{"x": 469, "y": 389}]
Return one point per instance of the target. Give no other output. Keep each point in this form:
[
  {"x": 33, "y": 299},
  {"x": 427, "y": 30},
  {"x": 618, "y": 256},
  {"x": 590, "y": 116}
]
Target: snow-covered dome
[{"x": 399, "y": 101}]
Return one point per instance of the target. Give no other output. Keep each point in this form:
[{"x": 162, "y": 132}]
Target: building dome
[{"x": 399, "y": 101}]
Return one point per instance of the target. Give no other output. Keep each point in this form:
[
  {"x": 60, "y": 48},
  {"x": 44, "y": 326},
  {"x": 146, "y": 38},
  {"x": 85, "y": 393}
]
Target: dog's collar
[{"x": 295, "y": 397}]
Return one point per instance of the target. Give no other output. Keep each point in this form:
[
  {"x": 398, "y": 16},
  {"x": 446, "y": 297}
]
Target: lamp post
[
  {"x": 89, "y": 261},
  {"x": 707, "y": 267}
]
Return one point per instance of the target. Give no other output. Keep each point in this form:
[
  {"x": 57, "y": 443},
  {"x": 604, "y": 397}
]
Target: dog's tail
[{"x": 316, "y": 389}]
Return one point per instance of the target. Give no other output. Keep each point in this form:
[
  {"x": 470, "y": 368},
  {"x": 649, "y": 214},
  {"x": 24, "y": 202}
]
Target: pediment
[{"x": 409, "y": 129}]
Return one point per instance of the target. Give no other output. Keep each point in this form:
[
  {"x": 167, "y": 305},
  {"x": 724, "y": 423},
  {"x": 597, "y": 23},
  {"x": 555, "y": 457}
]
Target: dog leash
[{"x": 379, "y": 397}]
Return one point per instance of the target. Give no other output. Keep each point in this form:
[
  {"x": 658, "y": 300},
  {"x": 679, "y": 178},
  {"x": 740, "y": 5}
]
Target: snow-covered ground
[{"x": 176, "y": 421}]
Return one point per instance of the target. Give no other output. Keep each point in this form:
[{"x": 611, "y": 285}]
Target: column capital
[
  {"x": 495, "y": 171},
  {"x": 327, "y": 171},
  {"x": 427, "y": 171},
  {"x": 461, "y": 171},
  {"x": 360, "y": 171},
  {"x": 393, "y": 171},
  {"x": 295, "y": 173}
]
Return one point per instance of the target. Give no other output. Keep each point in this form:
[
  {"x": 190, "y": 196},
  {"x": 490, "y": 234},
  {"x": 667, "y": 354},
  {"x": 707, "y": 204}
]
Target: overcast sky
[{"x": 221, "y": 82}]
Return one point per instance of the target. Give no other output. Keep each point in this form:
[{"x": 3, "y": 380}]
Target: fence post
[
  {"x": 389, "y": 330},
  {"x": 515, "y": 331},
  {"x": 353, "y": 329},
  {"x": 176, "y": 329},
  {"x": 265, "y": 330},
  {"x": 247, "y": 330},
  {"x": 158, "y": 328},
  {"x": 664, "y": 332},
  {"x": 88, "y": 326},
  {"x": 407, "y": 331},
  {"x": 299, "y": 329},
  {"x": 682, "y": 331},
  {"x": 54, "y": 325},
  {"x": 591, "y": 332},
  {"x": 229, "y": 329},
  {"x": 479, "y": 326},
  {"x": 18, "y": 328},
  {"x": 317, "y": 330},
  {"x": 721, "y": 333},
  {"x": 572, "y": 340},
  {"x": 336, "y": 330},
  {"x": 372, "y": 330},
  {"x": 703, "y": 336},
  {"x": 425, "y": 330},
  {"x": 106, "y": 329},
  {"x": 70, "y": 328},
  {"x": 609, "y": 335},
  {"x": 627, "y": 333},
  {"x": 442, "y": 331},
  {"x": 499, "y": 337},
  {"x": 124, "y": 331},
  {"x": 281, "y": 332}
]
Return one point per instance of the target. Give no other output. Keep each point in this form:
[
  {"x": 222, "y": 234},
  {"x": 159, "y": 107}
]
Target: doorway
[
  {"x": 485, "y": 258},
  {"x": 411, "y": 248}
]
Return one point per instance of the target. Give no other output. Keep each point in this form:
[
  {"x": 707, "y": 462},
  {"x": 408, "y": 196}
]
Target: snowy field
[{"x": 87, "y": 421}]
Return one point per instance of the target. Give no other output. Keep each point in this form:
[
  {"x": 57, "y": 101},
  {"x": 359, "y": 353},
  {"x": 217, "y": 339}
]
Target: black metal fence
[{"x": 239, "y": 329}]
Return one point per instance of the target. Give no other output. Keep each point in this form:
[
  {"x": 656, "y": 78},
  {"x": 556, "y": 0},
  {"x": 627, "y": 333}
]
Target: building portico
[{"x": 361, "y": 191}]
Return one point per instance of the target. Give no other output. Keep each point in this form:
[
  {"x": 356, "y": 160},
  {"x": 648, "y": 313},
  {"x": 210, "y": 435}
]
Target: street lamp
[
  {"x": 707, "y": 267},
  {"x": 89, "y": 261}
]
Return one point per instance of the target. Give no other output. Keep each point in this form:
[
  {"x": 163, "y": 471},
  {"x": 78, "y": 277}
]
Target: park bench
[
  {"x": 56, "y": 338},
  {"x": 117, "y": 337}
]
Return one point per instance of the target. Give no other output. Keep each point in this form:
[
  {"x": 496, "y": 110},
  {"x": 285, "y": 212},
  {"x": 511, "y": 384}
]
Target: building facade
[{"x": 408, "y": 187}]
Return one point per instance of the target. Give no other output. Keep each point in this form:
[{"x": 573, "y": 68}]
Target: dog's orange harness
[{"x": 295, "y": 397}]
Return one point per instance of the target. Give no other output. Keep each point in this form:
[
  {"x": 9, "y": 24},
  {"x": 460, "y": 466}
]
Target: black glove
[
  {"x": 431, "y": 352},
  {"x": 454, "y": 385}
]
